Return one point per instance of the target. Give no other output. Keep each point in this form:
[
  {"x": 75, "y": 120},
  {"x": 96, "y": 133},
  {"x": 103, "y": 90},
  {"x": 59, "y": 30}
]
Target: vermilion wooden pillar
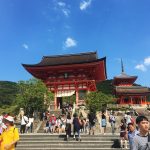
[
  {"x": 121, "y": 100},
  {"x": 55, "y": 100},
  {"x": 131, "y": 100},
  {"x": 141, "y": 100},
  {"x": 77, "y": 97},
  {"x": 145, "y": 100}
]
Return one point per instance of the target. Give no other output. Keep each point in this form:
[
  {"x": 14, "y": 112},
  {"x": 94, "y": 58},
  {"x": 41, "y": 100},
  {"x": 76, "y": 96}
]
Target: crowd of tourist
[
  {"x": 132, "y": 129},
  {"x": 136, "y": 131}
]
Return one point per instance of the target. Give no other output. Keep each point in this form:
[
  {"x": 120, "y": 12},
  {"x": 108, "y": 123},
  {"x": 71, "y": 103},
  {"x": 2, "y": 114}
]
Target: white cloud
[
  {"x": 147, "y": 61},
  {"x": 66, "y": 12},
  {"x": 144, "y": 65},
  {"x": 84, "y": 4},
  {"x": 62, "y": 7},
  {"x": 70, "y": 42},
  {"x": 140, "y": 67},
  {"x": 25, "y": 46},
  {"x": 61, "y": 4}
]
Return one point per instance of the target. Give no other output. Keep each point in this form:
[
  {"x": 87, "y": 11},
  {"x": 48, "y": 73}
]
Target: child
[
  {"x": 46, "y": 128},
  {"x": 123, "y": 134}
]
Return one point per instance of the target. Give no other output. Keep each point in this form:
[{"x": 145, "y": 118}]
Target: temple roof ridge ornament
[
  {"x": 123, "y": 75},
  {"x": 122, "y": 67}
]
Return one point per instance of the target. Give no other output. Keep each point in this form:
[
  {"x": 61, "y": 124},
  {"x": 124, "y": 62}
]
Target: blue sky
[{"x": 31, "y": 29}]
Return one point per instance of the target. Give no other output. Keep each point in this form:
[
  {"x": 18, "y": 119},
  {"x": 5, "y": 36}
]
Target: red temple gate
[{"x": 65, "y": 75}]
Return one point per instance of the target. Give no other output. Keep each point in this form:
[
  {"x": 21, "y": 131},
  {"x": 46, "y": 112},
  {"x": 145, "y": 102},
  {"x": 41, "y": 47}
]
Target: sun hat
[{"x": 10, "y": 119}]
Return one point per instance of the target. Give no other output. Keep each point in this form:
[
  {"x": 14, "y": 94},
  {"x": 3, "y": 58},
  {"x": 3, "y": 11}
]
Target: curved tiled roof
[
  {"x": 63, "y": 63},
  {"x": 132, "y": 89},
  {"x": 123, "y": 75},
  {"x": 66, "y": 59}
]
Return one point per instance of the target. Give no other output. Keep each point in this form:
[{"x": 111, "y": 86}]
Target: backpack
[
  {"x": 148, "y": 143},
  {"x": 25, "y": 120},
  {"x": 16, "y": 142},
  {"x": 110, "y": 119}
]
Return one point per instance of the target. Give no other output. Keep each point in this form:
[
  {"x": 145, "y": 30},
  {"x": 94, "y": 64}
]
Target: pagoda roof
[
  {"x": 132, "y": 90},
  {"x": 66, "y": 59},
  {"x": 123, "y": 75}
]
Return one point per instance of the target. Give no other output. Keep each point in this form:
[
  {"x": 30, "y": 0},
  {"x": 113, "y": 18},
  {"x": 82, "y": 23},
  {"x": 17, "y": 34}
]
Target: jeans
[{"x": 113, "y": 127}]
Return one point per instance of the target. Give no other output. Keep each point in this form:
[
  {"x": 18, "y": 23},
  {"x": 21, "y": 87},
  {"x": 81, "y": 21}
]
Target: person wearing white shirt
[
  {"x": 24, "y": 122},
  {"x": 30, "y": 124}
]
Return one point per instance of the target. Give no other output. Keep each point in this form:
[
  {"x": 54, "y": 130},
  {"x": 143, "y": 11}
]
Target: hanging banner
[{"x": 65, "y": 93}]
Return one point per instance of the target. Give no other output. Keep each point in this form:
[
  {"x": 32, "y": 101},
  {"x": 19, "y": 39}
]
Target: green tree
[
  {"x": 98, "y": 100},
  {"x": 33, "y": 95},
  {"x": 8, "y": 91},
  {"x": 106, "y": 87}
]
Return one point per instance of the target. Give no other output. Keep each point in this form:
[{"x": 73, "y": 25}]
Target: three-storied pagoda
[
  {"x": 65, "y": 75},
  {"x": 127, "y": 92}
]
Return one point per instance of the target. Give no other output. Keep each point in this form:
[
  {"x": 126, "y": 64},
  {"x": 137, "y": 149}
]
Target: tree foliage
[
  {"x": 8, "y": 91},
  {"x": 104, "y": 95},
  {"x": 98, "y": 100},
  {"x": 105, "y": 86},
  {"x": 33, "y": 95}
]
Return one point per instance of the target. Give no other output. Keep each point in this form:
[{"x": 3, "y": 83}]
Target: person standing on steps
[
  {"x": 141, "y": 141},
  {"x": 123, "y": 134},
  {"x": 92, "y": 121},
  {"x": 68, "y": 126},
  {"x": 103, "y": 122},
  {"x": 131, "y": 133},
  {"x": 29, "y": 125},
  {"x": 112, "y": 121},
  {"x": 76, "y": 127},
  {"x": 24, "y": 122}
]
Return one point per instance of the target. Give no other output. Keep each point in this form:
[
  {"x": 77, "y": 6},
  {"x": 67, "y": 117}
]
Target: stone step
[
  {"x": 70, "y": 139},
  {"x": 65, "y": 142},
  {"x": 56, "y": 137},
  {"x": 70, "y": 145},
  {"x": 62, "y": 135},
  {"x": 57, "y": 142},
  {"x": 85, "y": 148},
  {"x": 61, "y": 138}
]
